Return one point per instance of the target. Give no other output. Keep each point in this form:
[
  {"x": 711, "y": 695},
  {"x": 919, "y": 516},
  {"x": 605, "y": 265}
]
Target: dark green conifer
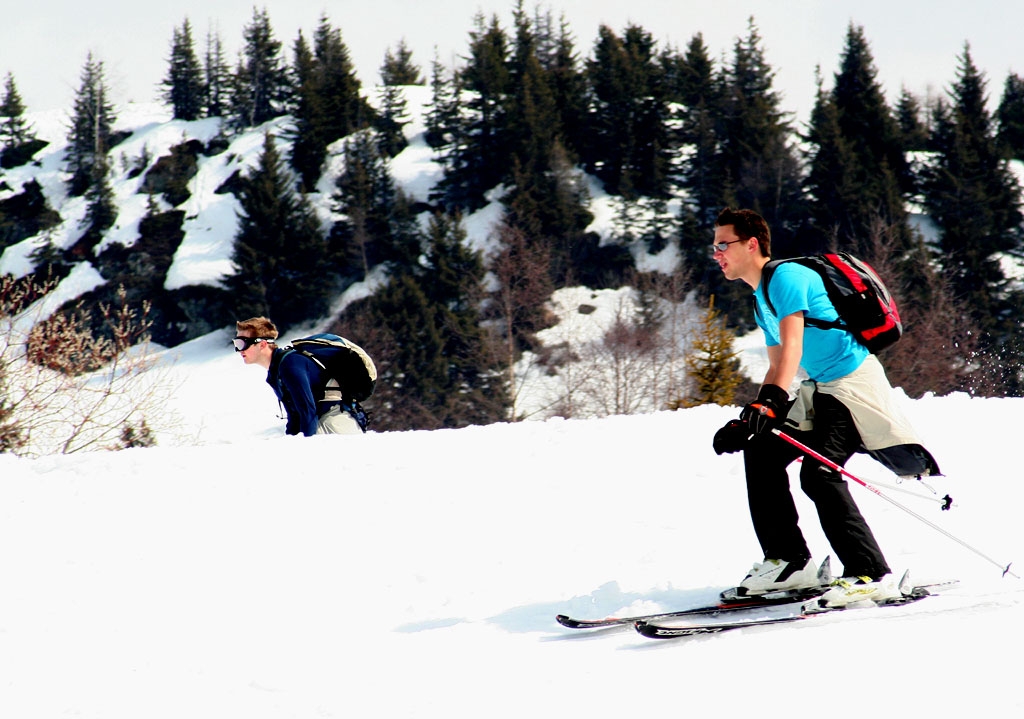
[
  {"x": 398, "y": 67},
  {"x": 91, "y": 123},
  {"x": 866, "y": 179},
  {"x": 476, "y": 152},
  {"x": 972, "y": 196},
  {"x": 452, "y": 281},
  {"x": 393, "y": 116},
  {"x": 1010, "y": 117},
  {"x": 216, "y": 76},
  {"x": 14, "y": 128},
  {"x": 260, "y": 86},
  {"x": 628, "y": 144},
  {"x": 328, "y": 105},
  {"x": 183, "y": 86},
  {"x": 695, "y": 88},
  {"x": 442, "y": 121},
  {"x": 281, "y": 262},
  {"x": 910, "y": 120},
  {"x": 758, "y": 165}
]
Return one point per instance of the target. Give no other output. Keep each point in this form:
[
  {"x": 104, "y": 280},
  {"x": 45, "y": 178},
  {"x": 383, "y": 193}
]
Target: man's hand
[
  {"x": 768, "y": 411},
  {"x": 731, "y": 438}
]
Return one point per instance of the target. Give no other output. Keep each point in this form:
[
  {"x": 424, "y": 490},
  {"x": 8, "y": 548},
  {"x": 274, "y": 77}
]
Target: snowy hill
[
  {"x": 203, "y": 257},
  {"x": 234, "y": 572}
]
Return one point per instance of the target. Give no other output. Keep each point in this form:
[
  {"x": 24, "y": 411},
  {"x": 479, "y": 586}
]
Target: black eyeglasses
[
  {"x": 244, "y": 343},
  {"x": 723, "y": 246}
]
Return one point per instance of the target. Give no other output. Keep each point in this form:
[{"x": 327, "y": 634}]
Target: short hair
[
  {"x": 260, "y": 327},
  {"x": 747, "y": 224}
]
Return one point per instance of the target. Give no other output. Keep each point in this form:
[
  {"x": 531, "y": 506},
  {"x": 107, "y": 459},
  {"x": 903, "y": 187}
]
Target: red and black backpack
[{"x": 865, "y": 306}]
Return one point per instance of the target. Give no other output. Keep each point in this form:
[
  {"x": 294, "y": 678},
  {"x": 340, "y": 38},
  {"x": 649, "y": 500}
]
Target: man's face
[
  {"x": 254, "y": 353},
  {"x": 731, "y": 253}
]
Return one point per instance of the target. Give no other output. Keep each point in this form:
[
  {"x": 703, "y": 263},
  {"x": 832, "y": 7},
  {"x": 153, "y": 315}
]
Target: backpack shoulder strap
[
  {"x": 766, "y": 277},
  {"x": 310, "y": 356}
]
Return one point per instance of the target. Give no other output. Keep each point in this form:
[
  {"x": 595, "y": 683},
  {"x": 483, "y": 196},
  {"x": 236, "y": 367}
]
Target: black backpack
[
  {"x": 344, "y": 361},
  {"x": 865, "y": 306}
]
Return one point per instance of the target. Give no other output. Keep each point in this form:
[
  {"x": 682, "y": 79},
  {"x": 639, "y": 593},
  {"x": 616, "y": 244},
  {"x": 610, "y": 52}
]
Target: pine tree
[
  {"x": 397, "y": 71},
  {"x": 329, "y": 105},
  {"x": 91, "y": 123},
  {"x": 756, "y": 162},
  {"x": 546, "y": 199},
  {"x": 693, "y": 85},
  {"x": 183, "y": 86},
  {"x": 695, "y": 88},
  {"x": 628, "y": 145},
  {"x": 830, "y": 184},
  {"x": 532, "y": 118},
  {"x": 216, "y": 76},
  {"x": 281, "y": 261},
  {"x": 101, "y": 210},
  {"x": 14, "y": 128},
  {"x": 872, "y": 169},
  {"x": 754, "y": 165},
  {"x": 366, "y": 192},
  {"x": 712, "y": 365},
  {"x": 452, "y": 280},
  {"x": 400, "y": 329},
  {"x": 972, "y": 196},
  {"x": 475, "y": 153},
  {"x": 260, "y": 84},
  {"x": 309, "y": 146},
  {"x": 398, "y": 67},
  {"x": 393, "y": 116},
  {"x": 48, "y": 261},
  {"x": 346, "y": 110},
  {"x": 560, "y": 60},
  {"x": 442, "y": 121},
  {"x": 910, "y": 119},
  {"x": 1010, "y": 117}
]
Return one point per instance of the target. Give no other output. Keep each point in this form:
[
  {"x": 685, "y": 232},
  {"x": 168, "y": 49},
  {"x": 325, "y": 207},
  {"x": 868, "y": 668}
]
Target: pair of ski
[{"x": 662, "y": 625}]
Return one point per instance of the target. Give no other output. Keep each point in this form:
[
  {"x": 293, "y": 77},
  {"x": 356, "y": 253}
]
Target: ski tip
[
  {"x": 646, "y": 630},
  {"x": 567, "y": 621},
  {"x": 905, "y": 585}
]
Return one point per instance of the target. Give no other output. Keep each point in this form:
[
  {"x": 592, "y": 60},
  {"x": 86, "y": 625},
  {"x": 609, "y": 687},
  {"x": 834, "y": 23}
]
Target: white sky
[{"x": 915, "y": 42}]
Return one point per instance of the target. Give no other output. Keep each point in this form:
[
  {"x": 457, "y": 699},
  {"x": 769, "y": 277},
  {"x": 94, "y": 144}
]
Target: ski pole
[{"x": 842, "y": 470}]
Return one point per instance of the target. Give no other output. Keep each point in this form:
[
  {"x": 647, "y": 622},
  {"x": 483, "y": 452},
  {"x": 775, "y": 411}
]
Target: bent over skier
[
  {"x": 846, "y": 406},
  {"x": 300, "y": 384}
]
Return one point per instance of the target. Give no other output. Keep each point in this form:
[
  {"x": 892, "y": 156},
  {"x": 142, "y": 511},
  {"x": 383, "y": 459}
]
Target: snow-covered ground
[{"x": 417, "y": 574}]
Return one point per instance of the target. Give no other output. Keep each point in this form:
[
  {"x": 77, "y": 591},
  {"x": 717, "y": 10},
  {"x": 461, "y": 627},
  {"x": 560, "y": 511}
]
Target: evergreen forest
[{"x": 924, "y": 189}]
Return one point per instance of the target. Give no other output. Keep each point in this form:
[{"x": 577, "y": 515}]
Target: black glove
[
  {"x": 731, "y": 438},
  {"x": 768, "y": 411}
]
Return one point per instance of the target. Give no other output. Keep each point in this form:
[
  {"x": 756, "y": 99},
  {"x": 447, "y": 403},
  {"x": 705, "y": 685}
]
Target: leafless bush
[
  {"x": 517, "y": 302},
  {"x": 629, "y": 363},
  {"x": 934, "y": 354},
  {"x": 66, "y": 388}
]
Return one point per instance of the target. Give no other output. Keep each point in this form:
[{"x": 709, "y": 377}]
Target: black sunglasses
[
  {"x": 723, "y": 246},
  {"x": 244, "y": 343}
]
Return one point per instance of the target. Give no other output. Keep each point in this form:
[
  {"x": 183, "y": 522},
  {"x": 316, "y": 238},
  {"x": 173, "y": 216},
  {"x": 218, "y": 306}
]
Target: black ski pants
[{"x": 773, "y": 510}]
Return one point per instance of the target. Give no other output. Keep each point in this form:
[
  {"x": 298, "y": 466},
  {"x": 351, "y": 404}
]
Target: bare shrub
[
  {"x": 67, "y": 389},
  {"x": 595, "y": 365},
  {"x": 934, "y": 354}
]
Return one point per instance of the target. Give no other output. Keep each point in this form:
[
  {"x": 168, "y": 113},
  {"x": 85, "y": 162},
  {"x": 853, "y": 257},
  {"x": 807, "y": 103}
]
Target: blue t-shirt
[{"x": 828, "y": 353}]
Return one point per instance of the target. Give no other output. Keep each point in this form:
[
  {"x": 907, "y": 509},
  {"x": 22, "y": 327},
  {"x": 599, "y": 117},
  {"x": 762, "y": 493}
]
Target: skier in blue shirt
[{"x": 845, "y": 406}]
